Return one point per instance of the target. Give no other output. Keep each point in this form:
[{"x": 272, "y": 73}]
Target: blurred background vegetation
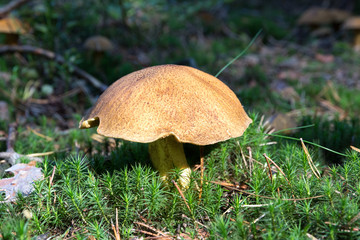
[{"x": 291, "y": 69}]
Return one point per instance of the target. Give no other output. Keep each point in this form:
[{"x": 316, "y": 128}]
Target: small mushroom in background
[
  {"x": 98, "y": 45},
  {"x": 323, "y": 22},
  {"x": 353, "y": 24},
  {"x": 12, "y": 28},
  {"x": 166, "y": 106},
  {"x": 315, "y": 18},
  {"x": 338, "y": 17}
]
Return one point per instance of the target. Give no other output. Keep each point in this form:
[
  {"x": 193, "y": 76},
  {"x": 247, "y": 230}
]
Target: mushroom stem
[
  {"x": 168, "y": 153},
  {"x": 357, "y": 40}
]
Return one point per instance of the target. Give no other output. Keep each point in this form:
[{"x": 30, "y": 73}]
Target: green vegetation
[
  {"x": 237, "y": 200},
  {"x": 258, "y": 186}
]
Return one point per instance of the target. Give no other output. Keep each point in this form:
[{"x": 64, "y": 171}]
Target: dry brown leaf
[
  {"x": 21, "y": 182},
  {"x": 324, "y": 58},
  {"x": 355, "y": 148}
]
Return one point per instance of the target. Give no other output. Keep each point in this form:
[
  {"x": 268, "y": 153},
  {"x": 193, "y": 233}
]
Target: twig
[
  {"x": 116, "y": 228},
  {"x": 152, "y": 229},
  {"x": 197, "y": 222},
  {"x": 256, "y": 205},
  {"x": 255, "y": 195},
  {"x": 40, "y": 154},
  {"x": 47, "y": 138},
  {"x": 57, "y": 58},
  {"x": 267, "y": 144},
  {"x": 268, "y": 163},
  {"x": 251, "y": 162},
  {"x": 54, "y": 99},
  {"x": 12, "y": 157},
  {"x": 256, "y": 220},
  {"x": 277, "y": 168},
  {"x": 147, "y": 233},
  {"x": 182, "y": 195},
  {"x": 311, "y": 237},
  {"x": 354, "y": 219},
  {"x": 52, "y": 176},
  {"x": 10, "y": 141},
  {"x": 242, "y": 155},
  {"x": 310, "y": 161},
  {"x": 11, "y": 6}
]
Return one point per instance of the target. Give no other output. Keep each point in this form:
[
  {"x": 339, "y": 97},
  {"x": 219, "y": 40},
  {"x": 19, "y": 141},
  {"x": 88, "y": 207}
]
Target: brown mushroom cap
[
  {"x": 98, "y": 43},
  {"x": 352, "y": 23},
  {"x": 315, "y": 16},
  {"x": 338, "y": 15},
  {"x": 165, "y": 100},
  {"x": 12, "y": 25}
]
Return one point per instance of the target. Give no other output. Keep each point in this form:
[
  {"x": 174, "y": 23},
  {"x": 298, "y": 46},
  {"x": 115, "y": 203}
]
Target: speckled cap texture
[{"x": 165, "y": 100}]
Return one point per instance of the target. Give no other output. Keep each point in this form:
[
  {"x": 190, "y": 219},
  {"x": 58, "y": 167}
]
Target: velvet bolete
[
  {"x": 166, "y": 106},
  {"x": 12, "y": 28},
  {"x": 353, "y": 24},
  {"x": 98, "y": 45}
]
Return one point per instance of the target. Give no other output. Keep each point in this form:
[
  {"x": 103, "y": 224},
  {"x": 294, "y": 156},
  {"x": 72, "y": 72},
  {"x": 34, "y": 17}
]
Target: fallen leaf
[
  {"x": 22, "y": 181},
  {"x": 355, "y": 148},
  {"x": 324, "y": 58}
]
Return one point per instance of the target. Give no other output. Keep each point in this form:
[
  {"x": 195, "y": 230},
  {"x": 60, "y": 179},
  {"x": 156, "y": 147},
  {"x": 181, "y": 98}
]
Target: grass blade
[{"x": 241, "y": 54}]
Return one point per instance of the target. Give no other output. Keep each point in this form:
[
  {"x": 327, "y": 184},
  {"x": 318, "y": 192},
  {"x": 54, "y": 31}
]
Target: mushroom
[
  {"x": 353, "y": 24},
  {"x": 338, "y": 17},
  {"x": 98, "y": 45},
  {"x": 315, "y": 18},
  {"x": 166, "y": 106},
  {"x": 12, "y": 27}
]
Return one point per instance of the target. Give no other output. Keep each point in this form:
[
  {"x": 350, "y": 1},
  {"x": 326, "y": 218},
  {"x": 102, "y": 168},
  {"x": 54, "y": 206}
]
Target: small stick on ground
[
  {"x": 242, "y": 155},
  {"x": 51, "y": 182},
  {"x": 52, "y": 176},
  {"x": 47, "y": 138},
  {"x": 10, "y": 141},
  {"x": 116, "y": 228},
  {"x": 256, "y": 220},
  {"x": 354, "y": 219},
  {"x": 182, "y": 195},
  {"x": 158, "y": 232},
  {"x": 277, "y": 168},
  {"x": 201, "y": 171},
  {"x": 268, "y": 163},
  {"x": 251, "y": 162},
  {"x": 10, "y": 155},
  {"x": 310, "y": 161},
  {"x": 11, "y": 6},
  {"x": 260, "y": 196},
  {"x": 53, "y": 56}
]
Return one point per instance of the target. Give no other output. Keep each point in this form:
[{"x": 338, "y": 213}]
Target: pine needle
[
  {"x": 241, "y": 54},
  {"x": 310, "y": 161}
]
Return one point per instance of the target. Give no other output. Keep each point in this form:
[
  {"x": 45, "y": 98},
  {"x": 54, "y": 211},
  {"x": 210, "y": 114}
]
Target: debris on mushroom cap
[
  {"x": 98, "y": 43},
  {"x": 352, "y": 23},
  {"x": 12, "y": 25},
  {"x": 165, "y": 100},
  {"x": 315, "y": 16}
]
